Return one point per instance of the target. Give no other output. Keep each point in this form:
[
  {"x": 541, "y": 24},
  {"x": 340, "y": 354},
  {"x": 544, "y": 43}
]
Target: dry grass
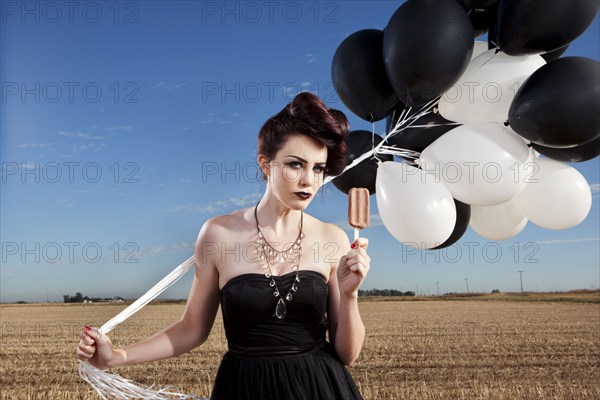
[{"x": 413, "y": 350}]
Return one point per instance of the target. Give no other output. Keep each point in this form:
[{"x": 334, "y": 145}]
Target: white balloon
[
  {"x": 487, "y": 87},
  {"x": 481, "y": 164},
  {"x": 557, "y": 196},
  {"x": 499, "y": 222},
  {"x": 479, "y": 48},
  {"x": 415, "y": 209}
]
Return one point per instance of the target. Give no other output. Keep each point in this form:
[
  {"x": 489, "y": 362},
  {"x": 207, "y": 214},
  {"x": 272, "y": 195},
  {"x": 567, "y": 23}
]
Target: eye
[
  {"x": 319, "y": 169},
  {"x": 294, "y": 164}
]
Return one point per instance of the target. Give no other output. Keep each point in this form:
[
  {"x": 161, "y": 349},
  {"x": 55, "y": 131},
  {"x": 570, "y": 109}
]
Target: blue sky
[{"x": 124, "y": 126}]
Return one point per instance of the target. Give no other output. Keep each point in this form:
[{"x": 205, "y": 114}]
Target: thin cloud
[
  {"x": 167, "y": 249},
  {"x": 90, "y": 146},
  {"x": 561, "y": 241},
  {"x": 119, "y": 128},
  {"x": 213, "y": 119},
  {"x": 168, "y": 87},
  {"x": 311, "y": 58},
  {"x": 80, "y": 135},
  {"x": 28, "y": 145},
  {"x": 375, "y": 220},
  {"x": 217, "y": 205},
  {"x": 67, "y": 203}
]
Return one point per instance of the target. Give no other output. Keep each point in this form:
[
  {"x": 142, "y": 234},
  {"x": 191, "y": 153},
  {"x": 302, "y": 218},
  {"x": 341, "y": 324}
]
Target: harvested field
[{"x": 468, "y": 349}]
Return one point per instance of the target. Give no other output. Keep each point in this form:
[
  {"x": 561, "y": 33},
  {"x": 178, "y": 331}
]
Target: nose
[{"x": 307, "y": 177}]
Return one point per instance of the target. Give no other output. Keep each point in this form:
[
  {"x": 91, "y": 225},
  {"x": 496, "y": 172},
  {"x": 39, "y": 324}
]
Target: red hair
[{"x": 307, "y": 115}]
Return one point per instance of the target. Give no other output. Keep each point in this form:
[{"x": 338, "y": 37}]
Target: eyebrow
[{"x": 304, "y": 161}]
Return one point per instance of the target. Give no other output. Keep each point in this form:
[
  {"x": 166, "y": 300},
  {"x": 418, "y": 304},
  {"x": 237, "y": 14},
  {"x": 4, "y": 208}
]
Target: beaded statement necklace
[{"x": 270, "y": 254}]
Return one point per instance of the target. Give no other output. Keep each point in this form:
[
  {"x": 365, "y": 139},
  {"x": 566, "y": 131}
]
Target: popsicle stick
[{"x": 356, "y": 234}]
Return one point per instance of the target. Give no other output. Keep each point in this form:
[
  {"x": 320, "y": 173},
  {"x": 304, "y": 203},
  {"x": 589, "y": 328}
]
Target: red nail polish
[
  {"x": 87, "y": 328},
  {"x": 353, "y": 245}
]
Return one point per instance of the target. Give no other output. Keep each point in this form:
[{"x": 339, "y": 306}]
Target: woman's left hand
[{"x": 353, "y": 267}]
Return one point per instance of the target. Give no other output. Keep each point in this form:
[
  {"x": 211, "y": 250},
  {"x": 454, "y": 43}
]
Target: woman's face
[{"x": 297, "y": 170}]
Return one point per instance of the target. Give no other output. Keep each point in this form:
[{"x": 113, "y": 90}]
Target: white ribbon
[{"x": 113, "y": 386}]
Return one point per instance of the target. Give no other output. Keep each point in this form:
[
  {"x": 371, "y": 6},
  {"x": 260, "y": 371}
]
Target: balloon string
[
  {"x": 432, "y": 125},
  {"x": 404, "y": 121},
  {"x": 375, "y": 155}
]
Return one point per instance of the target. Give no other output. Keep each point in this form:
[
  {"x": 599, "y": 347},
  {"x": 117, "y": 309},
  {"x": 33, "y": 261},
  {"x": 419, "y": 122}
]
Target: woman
[{"x": 283, "y": 282}]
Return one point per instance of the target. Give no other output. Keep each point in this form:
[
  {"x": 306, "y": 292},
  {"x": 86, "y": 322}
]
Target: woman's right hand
[{"x": 95, "y": 348}]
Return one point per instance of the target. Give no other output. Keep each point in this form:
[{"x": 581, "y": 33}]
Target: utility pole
[
  {"x": 417, "y": 290},
  {"x": 521, "y": 276},
  {"x": 467, "y": 280},
  {"x": 438, "y": 287}
]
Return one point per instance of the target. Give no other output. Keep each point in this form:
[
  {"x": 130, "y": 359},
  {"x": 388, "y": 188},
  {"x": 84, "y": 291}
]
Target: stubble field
[{"x": 416, "y": 350}]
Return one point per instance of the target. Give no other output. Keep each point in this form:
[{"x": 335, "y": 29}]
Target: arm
[
  {"x": 190, "y": 331},
  {"x": 347, "y": 331}
]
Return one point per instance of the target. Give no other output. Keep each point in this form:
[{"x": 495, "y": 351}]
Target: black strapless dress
[{"x": 271, "y": 358}]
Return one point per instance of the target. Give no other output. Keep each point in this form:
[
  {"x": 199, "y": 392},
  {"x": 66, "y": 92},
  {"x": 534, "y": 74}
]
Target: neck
[{"x": 277, "y": 216}]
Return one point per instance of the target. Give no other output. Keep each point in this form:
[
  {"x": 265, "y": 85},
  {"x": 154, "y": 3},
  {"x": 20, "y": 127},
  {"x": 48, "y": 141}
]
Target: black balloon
[
  {"x": 557, "y": 106},
  {"x": 482, "y": 19},
  {"x": 420, "y": 134},
  {"x": 553, "y": 55},
  {"x": 492, "y": 41},
  {"x": 359, "y": 76},
  {"x": 584, "y": 152},
  {"x": 476, "y": 4},
  {"x": 365, "y": 173},
  {"x": 540, "y": 26},
  {"x": 427, "y": 45},
  {"x": 463, "y": 216},
  {"x": 480, "y": 22}
]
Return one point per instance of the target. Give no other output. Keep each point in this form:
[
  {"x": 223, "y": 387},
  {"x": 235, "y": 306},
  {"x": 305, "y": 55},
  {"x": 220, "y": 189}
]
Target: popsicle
[{"x": 358, "y": 209}]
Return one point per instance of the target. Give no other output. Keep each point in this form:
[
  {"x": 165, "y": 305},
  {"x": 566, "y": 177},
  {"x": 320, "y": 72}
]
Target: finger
[
  {"x": 359, "y": 272},
  {"x": 358, "y": 251},
  {"x": 86, "y": 342},
  {"x": 357, "y": 266},
  {"x": 86, "y": 339},
  {"x": 363, "y": 258},
  {"x": 351, "y": 253},
  {"x": 357, "y": 263},
  {"x": 81, "y": 355},
  {"x": 362, "y": 243},
  {"x": 92, "y": 332},
  {"x": 87, "y": 350}
]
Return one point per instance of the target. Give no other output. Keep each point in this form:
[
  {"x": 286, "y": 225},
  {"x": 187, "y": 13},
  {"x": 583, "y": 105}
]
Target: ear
[{"x": 263, "y": 163}]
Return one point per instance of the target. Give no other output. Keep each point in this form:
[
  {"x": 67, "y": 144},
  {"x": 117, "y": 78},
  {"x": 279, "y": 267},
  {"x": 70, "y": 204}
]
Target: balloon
[
  {"x": 415, "y": 209},
  {"x": 470, "y": 4},
  {"x": 482, "y": 18},
  {"x": 499, "y": 222},
  {"x": 463, "y": 215},
  {"x": 557, "y": 196},
  {"x": 492, "y": 40},
  {"x": 555, "y": 54},
  {"x": 421, "y": 133},
  {"x": 479, "y": 48},
  {"x": 558, "y": 105},
  {"x": 363, "y": 174},
  {"x": 584, "y": 152},
  {"x": 427, "y": 45},
  {"x": 485, "y": 91},
  {"x": 481, "y": 164},
  {"x": 359, "y": 76},
  {"x": 539, "y": 26}
]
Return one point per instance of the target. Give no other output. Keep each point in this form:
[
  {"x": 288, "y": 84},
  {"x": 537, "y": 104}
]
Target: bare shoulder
[
  {"x": 221, "y": 230},
  {"x": 222, "y": 226},
  {"x": 329, "y": 233}
]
